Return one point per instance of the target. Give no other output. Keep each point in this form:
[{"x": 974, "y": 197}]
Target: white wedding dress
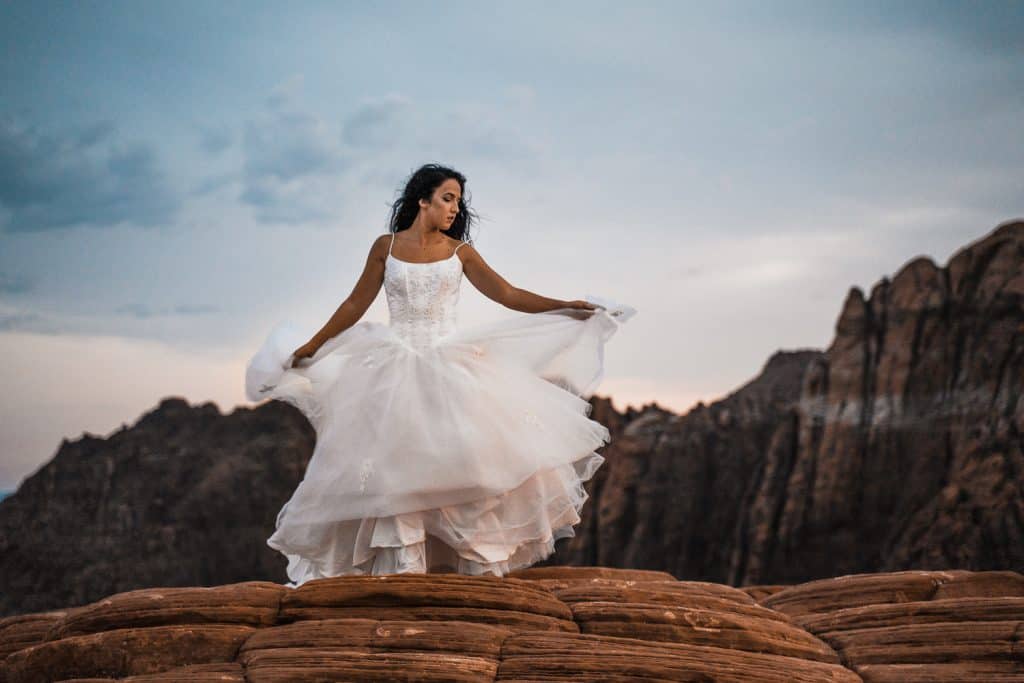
[{"x": 439, "y": 448}]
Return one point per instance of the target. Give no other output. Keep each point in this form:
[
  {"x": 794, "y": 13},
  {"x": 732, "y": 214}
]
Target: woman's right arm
[
  {"x": 363, "y": 294},
  {"x": 497, "y": 288}
]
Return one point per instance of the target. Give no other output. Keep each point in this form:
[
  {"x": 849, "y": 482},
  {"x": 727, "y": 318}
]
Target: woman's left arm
[{"x": 495, "y": 287}]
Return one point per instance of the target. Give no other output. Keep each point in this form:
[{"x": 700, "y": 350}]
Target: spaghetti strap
[
  {"x": 392, "y": 243},
  {"x": 457, "y": 248}
]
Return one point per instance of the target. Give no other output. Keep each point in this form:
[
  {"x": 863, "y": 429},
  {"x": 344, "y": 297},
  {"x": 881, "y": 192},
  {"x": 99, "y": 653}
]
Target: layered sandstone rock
[
  {"x": 553, "y": 623},
  {"x": 916, "y": 626}
]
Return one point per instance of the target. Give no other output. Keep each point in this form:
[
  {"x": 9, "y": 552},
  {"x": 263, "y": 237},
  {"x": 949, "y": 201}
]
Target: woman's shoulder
[
  {"x": 385, "y": 241},
  {"x": 462, "y": 248},
  {"x": 381, "y": 245}
]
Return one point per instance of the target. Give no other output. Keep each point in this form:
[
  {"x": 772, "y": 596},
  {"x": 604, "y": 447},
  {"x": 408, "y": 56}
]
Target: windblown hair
[{"x": 421, "y": 185}]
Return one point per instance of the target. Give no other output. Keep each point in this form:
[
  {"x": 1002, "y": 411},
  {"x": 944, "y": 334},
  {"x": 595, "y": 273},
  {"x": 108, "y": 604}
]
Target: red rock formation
[
  {"x": 909, "y": 443},
  {"x": 899, "y": 447},
  {"x": 916, "y": 626},
  {"x": 552, "y": 623},
  {"x": 184, "y": 497}
]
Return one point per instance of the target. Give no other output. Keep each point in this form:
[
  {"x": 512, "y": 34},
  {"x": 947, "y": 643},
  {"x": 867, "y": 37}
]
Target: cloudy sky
[{"x": 176, "y": 177}]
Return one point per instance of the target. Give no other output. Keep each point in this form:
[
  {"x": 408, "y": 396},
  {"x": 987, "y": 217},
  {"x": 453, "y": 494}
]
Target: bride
[{"x": 440, "y": 447}]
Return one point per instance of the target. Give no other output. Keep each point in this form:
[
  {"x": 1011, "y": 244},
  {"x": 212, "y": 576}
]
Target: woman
[{"x": 440, "y": 448}]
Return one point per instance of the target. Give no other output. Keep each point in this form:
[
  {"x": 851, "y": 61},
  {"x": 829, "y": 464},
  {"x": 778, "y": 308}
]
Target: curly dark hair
[{"x": 421, "y": 185}]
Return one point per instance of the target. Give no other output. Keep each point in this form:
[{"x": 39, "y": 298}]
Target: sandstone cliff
[
  {"x": 185, "y": 496},
  {"x": 898, "y": 447}
]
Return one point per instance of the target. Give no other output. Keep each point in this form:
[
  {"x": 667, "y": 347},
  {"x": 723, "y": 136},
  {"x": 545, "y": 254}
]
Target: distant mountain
[
  {"x": 184, "y": 497},
  {"x": 898, "y": 447},
  {"x": 4, "y": 494}
]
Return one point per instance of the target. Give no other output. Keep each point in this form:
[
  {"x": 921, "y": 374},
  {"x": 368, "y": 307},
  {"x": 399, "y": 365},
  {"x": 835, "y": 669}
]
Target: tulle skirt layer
[
  {"x": 468, "y": 455},
  {"x": 493, "y": 535}
]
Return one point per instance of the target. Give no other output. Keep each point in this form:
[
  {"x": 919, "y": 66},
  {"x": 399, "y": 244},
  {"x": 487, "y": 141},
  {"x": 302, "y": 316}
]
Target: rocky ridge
[{"x": 901, "y": 446}]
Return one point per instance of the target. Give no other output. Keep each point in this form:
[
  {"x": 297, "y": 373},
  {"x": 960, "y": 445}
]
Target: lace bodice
[{"x": 422, "y": 297}]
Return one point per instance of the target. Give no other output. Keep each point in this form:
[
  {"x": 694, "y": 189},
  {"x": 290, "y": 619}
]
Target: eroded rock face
[
  {"x": 898, "y": 447},
  {"x": 676, "y": 492},
  {"x": 184, "y": 497},
  {"x": 549, "y": 623},
  {"x": 910, "y": 428}
]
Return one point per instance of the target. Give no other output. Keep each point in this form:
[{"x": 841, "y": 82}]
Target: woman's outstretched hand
[
  {"x": 304, "y": 351},
  {"x": 580, "y": 309}
]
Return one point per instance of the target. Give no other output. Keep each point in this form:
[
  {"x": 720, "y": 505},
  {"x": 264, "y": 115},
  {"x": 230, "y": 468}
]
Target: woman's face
[{"x": 443, "y": 206}]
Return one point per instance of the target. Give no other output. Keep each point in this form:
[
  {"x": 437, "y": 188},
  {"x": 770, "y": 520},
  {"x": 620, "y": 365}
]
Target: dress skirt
[{"x": 467, "y": 455}]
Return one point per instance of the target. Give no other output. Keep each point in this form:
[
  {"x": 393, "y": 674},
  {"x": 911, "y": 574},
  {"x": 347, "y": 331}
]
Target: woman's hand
[
  {"x": 580, "y": 309},
  {"x": 304, "y": 351}
]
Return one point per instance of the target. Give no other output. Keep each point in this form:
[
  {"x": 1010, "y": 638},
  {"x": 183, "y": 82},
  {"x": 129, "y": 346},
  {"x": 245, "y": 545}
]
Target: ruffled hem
[
  {"x": 493, "y": 536},
  {"x": 432, "y": 555}
]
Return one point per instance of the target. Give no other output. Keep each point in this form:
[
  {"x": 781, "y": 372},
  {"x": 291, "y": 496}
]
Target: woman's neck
[{"x": 425, "y": 237}]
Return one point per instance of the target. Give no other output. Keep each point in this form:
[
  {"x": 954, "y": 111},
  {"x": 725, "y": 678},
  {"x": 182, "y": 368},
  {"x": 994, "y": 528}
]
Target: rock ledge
[{"x": 543, "y": 623}]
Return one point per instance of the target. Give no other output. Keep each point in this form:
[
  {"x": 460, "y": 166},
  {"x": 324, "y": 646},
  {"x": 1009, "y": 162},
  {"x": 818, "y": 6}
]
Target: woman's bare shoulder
[
  {"x": 379, "y": 247},
  {"x": 456, "y": 242},
  {"x": 463, "y": 247}
]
